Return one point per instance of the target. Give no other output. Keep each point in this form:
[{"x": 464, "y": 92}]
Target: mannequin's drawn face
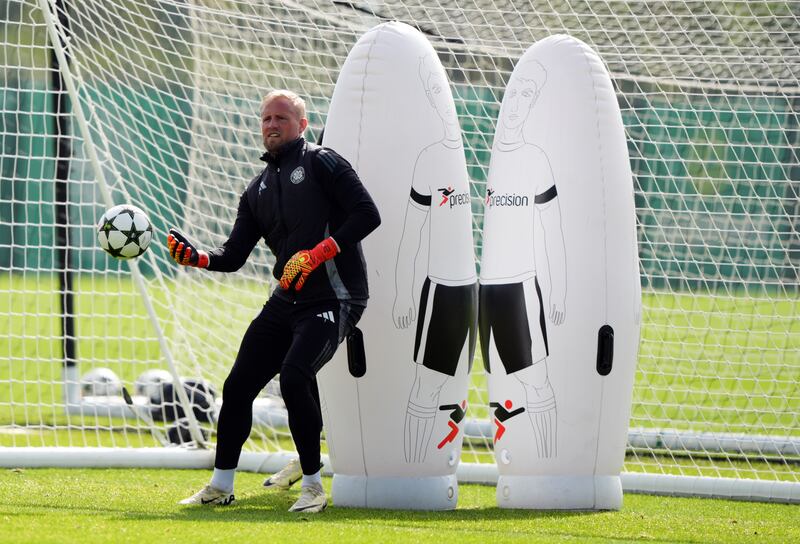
[
  {"x": 521, "y": 95},
  {"x": 439, "y": 97}
]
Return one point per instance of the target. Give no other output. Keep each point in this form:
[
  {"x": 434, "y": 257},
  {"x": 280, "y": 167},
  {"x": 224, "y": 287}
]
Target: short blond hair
[{"x": 298, "y": 103}]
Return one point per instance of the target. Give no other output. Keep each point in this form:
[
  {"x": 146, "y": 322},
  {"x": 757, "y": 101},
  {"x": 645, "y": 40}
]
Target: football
[
  {"x": 148, "y": 384},
  {"x": 100, "y": 382},
  {"x": 124, "y": 232}
]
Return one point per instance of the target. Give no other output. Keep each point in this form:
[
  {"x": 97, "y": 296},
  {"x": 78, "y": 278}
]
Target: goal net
[{"x": 155, "y": 103}]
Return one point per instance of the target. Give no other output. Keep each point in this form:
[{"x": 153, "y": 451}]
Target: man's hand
[
  {"x": 305, "y": 261},
  {"x": 184, "y": 252},
  {"x": 404, "y": 312}
]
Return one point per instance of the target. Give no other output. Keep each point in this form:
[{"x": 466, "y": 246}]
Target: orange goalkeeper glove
[
  {"x": 184, "y": 252},
  {"x": 305, "y": 261}
]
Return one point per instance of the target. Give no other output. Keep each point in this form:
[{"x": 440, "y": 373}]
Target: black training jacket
[{"x": 305, "y": 194}]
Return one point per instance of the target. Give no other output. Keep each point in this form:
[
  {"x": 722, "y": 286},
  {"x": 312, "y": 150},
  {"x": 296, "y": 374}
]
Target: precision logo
[
  {"x": 455, "y": 199},
  {"x": 457, "y": 413},
  {"x": 505, "y": 199},
  {"x": 503, "y": 412}
]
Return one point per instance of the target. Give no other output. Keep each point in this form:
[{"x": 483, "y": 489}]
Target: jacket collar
[{"x": 287, "y": 149}]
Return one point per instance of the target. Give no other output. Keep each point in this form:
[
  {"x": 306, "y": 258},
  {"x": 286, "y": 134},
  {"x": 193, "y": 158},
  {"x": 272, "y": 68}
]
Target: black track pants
[{"x": 295, "y": 340}]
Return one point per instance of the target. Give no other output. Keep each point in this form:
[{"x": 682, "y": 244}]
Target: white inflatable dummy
[
  {"x": 560, "y": 295},
  {"x": 395, "y": 433}
]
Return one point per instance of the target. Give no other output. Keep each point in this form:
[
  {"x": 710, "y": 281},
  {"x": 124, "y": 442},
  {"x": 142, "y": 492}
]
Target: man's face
[
  {"x": 280, "y": 123},
  {"x": 520, "y": 96}
]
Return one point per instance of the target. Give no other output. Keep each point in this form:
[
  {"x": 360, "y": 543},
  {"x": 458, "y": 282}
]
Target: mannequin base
[
  {"x": 430, "y": 493},
  {"x": 560, "y": 492}
]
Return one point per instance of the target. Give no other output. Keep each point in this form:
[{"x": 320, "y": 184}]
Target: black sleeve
[
  {"x": 347, "y": 191},
  {"x": 422, "y": 200},
  {"x": 232, "y": 255},
  {"x": 546, "y": 196}
]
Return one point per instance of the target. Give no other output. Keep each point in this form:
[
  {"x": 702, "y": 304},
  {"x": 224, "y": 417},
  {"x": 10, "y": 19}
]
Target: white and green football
[{"x": 124, "y": 232}]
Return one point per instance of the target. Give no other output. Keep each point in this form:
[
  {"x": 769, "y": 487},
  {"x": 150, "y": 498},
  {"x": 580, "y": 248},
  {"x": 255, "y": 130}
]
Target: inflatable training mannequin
[
  {"x": 395, "y": 433},
  {"x": 559, "y": 287}
]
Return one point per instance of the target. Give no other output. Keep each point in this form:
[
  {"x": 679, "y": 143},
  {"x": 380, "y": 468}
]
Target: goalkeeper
[{"x": 310, "y": 207}]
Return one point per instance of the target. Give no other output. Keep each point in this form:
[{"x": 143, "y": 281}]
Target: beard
[{"x": 275, "y": 144}]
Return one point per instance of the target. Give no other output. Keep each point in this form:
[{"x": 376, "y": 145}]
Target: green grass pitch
[
  {"x": 137, "y": 506},
  {"x": 132, "y": 505}
]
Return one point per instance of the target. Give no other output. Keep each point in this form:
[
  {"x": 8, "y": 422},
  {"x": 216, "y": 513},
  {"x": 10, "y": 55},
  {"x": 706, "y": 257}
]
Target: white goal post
[{"x": 154, "y": 103}]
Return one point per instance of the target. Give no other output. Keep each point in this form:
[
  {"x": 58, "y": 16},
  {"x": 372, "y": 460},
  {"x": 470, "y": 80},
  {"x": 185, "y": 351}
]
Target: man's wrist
[
  {"x": 326, "y": 249},
  {"x": 203, "y": 260},
  {"x": 335, "y": 244}
]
